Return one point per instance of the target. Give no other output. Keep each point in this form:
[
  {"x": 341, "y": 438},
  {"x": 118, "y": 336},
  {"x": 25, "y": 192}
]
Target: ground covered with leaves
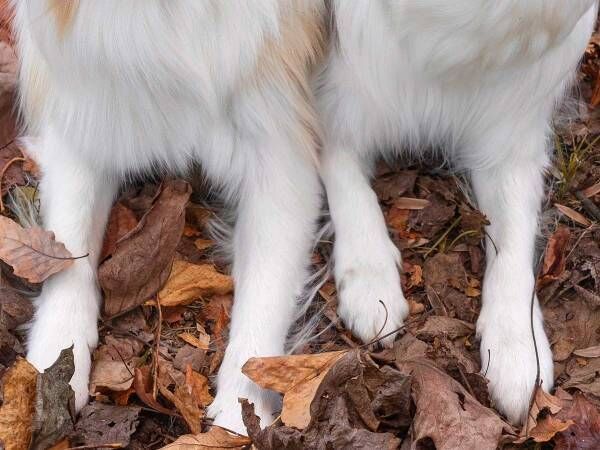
[{"x": 168, "y": 298}]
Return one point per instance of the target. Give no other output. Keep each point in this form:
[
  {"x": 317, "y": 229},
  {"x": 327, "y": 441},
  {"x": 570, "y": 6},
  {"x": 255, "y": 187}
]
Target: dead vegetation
[{"x": 168, "y": 304}]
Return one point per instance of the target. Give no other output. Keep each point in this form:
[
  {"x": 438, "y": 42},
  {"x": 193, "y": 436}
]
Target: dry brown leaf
[
  {"x": 202, "y": 342},
  {"x": 186, "y": 404},
  {"x": 584, "y": 434},
  {"x": 297, "y": 377},
  {"x": 111, "y": 375},
  {"x": 590, "y": 352},
  {"x": 215, "y": 439},
  {"x": 592, "y": 190},
  {"x": 447, "y": 414},
  {"x": 573, "y": 215},
  {"x": 142, "y": 260},
  {"x": 555, "y": 256},
  {"x": 121, "y": 221},
  {"x": 199, "y": 385},
  {"x": 188, "y": 282},
  {"x": 33, "y": 253},
  {"x": 410, "y": 204},
  {"x": 542, "y": 424},
  {"x": 142, "y": 390},
  {"x": 16, "y": 413}
]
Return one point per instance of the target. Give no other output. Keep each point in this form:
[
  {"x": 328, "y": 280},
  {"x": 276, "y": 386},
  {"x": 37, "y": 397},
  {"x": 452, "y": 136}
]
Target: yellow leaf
[{"x": 188, "y": 282}]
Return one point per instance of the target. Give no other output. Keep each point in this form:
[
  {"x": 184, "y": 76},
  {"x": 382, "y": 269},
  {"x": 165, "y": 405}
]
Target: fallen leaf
[
  {"x": 196, "y": 342},
  {"x": 590, "y": 352},
  {"x": 342, "y": 412},
  {"x": 111, "y": 375},
  {"x": 121, "y": 221},
  {"x": 542, "y": 423},
  {"x": 200, "y": 387},
  {"x": 142, "y": 390},
  {"x": 186, "y": 404},
  {"x": 102, "y": 424},
  {"x": 410, "y": 203},
  {"x": 435, "y": 326},
  {"x": 54, "y": 403},
  {"x": 446, "y": 414},
  {"x": 33, "y": 253},
  {"x": 188, "y": 355},
  {"x": 555, "y": 256},
  {"x": 142, "y": 260},
  {"x": 592, "y": 190},
  {"x": 296, "y": 376},
  {"x": 188, "y": 282},
  {"x": 584, "y": 434},
  {"x": 215, "y": 439},
  {"x": 573, "y": 215},
  {"x": 18, "y": 406}
]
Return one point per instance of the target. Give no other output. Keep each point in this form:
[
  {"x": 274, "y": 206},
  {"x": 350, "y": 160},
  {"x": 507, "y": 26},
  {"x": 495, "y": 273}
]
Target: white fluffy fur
[
  {"x": 477, "y": 80},
  {"x": 129, "y": 86}
]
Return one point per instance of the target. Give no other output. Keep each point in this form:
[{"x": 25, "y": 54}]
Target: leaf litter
[{"x": 151, "y": 384}]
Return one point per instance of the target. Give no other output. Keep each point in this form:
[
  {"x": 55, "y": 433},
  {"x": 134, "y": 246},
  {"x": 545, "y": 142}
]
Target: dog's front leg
[
  {"x": 75, "y": 203},
  {"x": 278, "y": 205},
  {"x": 510, "y": 194}
]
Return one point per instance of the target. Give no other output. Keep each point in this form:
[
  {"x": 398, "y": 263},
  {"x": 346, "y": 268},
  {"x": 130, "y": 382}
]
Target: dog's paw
[
  {"x": 226, "y": 409},
  {"x": 509, "y": 363},
  {"x": 371, "y": 303}
]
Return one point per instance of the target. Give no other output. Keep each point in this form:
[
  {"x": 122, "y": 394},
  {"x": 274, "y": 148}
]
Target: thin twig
[
  {"x": 409, "y": 322},
  {"x": 156, "y": 349},
  {"x": 538, "y": 382},
  {"x": 61, "y": 258}
]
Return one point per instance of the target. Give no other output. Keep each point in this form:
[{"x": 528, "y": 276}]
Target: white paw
[
  {"x": 66, "y": 316},
  {"x": 370, "y": 301},
  {"x": 511, "y": 367},
  {"x": 226, "y": 409}
]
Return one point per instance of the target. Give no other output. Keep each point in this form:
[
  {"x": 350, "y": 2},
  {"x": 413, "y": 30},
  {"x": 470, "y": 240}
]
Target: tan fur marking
[
  {"x": 64, "y": 13},
  {"x": 290, "y": 58}
]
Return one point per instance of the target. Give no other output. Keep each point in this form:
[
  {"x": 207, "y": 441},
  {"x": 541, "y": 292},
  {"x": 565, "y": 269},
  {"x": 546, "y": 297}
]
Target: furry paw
[
  {"x": 371, "y": 302},
  {"x": 66, "y": 316},
  {"x": 508, "y": 361},
  {"x": 227, "y": 411}
]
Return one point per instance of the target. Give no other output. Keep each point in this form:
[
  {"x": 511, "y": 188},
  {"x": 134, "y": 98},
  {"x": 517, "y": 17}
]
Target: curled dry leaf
[
  {"x": 18, "y": 405},
  {"x": 554, "y": 256},
  {"x": 215, "y": 439},
  {"x": 353, "y": 399},
  {"x": 542, "y": 423},
  {"x": 188, "y": 282},
  {"x": 297, "y": 377},
  {"x": 54, "y": 402},
  {"x": 33, "y": 253},
  {"x": 447, "y": 414},
  {"x": 142, "y": 260},
  {"x": 121, "y": 221}
]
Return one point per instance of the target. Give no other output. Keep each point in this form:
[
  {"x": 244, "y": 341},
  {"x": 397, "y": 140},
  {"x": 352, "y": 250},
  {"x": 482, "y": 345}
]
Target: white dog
[
  {"x": 118, "y": 87},
  {"x": 478, "y": 79}
]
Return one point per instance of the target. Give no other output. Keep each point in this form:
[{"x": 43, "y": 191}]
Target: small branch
[{"x": 156, "y": 349}]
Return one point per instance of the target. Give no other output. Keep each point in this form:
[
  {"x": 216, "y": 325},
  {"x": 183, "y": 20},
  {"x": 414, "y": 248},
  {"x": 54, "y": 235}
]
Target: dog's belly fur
[{"x": 137, "y": 84}]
